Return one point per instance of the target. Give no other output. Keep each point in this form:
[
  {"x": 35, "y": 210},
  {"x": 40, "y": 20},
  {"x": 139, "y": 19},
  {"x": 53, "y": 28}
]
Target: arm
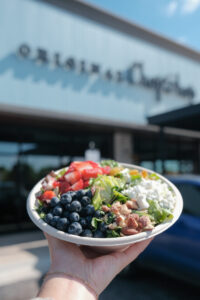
[
  {"x": 60, "y": 287},
  {"x": 79, "y": 273}
]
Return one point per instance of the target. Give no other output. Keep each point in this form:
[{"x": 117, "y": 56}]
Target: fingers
[{"x": 59, "y": 248}]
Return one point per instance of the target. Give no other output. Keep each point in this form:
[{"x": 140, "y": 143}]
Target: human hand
[{"x": 82, "y": 262}]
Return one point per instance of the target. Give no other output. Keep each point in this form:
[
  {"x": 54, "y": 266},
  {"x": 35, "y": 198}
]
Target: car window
[{"x": 191, "y": 197}]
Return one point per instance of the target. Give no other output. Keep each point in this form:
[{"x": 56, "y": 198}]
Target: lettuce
[
  {"x": 95, "y": 222},
  {"x": 110, "y": 163},
  {"x": 110, "y": 218},
  {"x": 154, "y": 176},
  {"x": 61, "y": 173},
  {"x": 114, "y": 232},
  {"x": 42, "y": 215},
  {"x": 117, "y": 196},
  {"x": 158, "y": 214},
  {"x": 104, "y": 185},
  {"x": 135, "y": 179}
]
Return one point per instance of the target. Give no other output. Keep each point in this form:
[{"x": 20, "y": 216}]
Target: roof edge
[
  {"x": 23, "y": 112},
  {"x": 106, "y": 18},
  {"x": 35, "y": 114},
  {"x": 172, "y": 115}
]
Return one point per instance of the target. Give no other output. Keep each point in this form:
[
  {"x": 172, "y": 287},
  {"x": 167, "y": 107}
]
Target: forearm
[{"x": 65, "y": 288}]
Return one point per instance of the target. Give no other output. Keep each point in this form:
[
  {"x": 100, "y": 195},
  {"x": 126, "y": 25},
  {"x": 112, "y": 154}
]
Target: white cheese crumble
[
  {"x": 126, "y": 175},
  {"x": 155, "y": 190}
]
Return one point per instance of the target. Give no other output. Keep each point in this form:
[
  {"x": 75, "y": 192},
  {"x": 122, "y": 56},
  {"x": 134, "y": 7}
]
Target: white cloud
[
  {"x": 182, "y": 6},
  {"x": 182, "y": 40},
  {"x": 171, "y": 8},
  {"x": 190, "y": 6}
]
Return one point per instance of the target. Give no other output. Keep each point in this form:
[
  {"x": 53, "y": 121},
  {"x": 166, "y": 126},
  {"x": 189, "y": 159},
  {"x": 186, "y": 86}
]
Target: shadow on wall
[{"x": 24, "y": 69}]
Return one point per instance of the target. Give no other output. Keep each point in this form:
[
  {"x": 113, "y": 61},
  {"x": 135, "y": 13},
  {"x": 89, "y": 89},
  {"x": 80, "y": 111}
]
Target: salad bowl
[{"x": 106, "y": 244}]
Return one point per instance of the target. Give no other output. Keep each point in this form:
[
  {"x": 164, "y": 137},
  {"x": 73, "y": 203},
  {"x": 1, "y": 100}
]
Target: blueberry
[
  {"x": 98, "y": 234},
  {"x": 73, "y": 194},
  {"x": 83, "y": 222},
  {"x": 98, "y": 214},
  {"x": 103, "y": 227},
  {"x": 75, "y": 228},
  {"x": 62, "y": 224},
  {"x": 89, "y": 220},
  {"x": 80, "y": 194},
  {"x": 85, "y": 201},
  {"x": 54, "y": 221},
  {"x": 48, "y": 218},
  {"x": 54, "y": 201},
  {"x": 89, "y": 193},
  {"x": 66, "y": 199},
  {"x": 87, "y": 233},
  {"x": 57, "y": 211},
  {"x": 109, "y": 214},
  {"x": 67, "y": 207},
  {"x": 45, "y": 209},
  {"x": 89, "y": 210},
  {"x": 74, "y": 217},
  {"x": 75, "y": 206},
  {"x": 66, "y": 214},
  {"x": 83, "y": 212}
]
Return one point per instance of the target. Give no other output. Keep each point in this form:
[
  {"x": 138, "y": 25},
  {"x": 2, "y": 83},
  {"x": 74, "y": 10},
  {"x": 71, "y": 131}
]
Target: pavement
[{"x": 24, "y": 259}]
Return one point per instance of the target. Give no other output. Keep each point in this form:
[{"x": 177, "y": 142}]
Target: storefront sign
[{"x": 133, "y": 76}]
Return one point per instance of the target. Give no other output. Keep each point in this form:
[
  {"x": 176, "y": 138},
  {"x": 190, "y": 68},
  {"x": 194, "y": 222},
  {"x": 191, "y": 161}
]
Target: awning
[{"x": 185, "y": 118}]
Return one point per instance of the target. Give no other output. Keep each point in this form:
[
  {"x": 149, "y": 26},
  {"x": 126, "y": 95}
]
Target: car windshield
[{"x": 191, "y": 197}]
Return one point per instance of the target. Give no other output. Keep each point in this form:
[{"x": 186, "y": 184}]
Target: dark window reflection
[
  {"x": 191, "y": 197},
  {"x": 20, "y": 169}
]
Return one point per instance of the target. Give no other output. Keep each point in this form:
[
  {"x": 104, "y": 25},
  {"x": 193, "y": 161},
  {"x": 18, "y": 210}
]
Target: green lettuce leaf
[
  {"x": 61, "y": 173},
  {"x": 157, "y": 213},
  {"x": 110, "y": 218},
  {"x": 104, "y": 189},
  {"x": 95, "y": 222},
  {"x": 117, "y": 196},
  {"x": 135, "y": 179},
  {"x": 110, "y": 163},
  {"x": 114, "y": 232},
  {"x": 42, "y": 215},
  {"x": 154, "y": 176}
]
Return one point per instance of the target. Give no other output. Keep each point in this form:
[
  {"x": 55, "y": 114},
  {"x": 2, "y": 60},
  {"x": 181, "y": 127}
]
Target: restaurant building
[{"x": 71, "y": 73}]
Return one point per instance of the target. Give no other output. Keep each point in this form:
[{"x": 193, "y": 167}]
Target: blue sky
[{"x": 176, "y": 19}]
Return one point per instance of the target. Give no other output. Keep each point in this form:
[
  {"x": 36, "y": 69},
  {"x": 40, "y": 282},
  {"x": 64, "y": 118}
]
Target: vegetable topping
[{"x": 104, "y": 200}]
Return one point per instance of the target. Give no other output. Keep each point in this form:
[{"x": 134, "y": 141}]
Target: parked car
[{"x": 176, "y": 252}]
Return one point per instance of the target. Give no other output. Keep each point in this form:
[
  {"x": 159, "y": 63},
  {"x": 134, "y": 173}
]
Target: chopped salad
[{"x": 104, "y": 200}]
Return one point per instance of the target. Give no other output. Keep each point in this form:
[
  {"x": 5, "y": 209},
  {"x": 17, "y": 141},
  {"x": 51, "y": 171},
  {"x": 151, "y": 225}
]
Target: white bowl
[{"x": 105, "y": 244}]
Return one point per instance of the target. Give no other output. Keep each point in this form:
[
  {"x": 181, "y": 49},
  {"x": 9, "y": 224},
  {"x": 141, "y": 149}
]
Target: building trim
[
  {"x": 25, "y": 113},
  {"x": 37, "y": 116},
  {"x": 181, "y": 118},
  {"x": 106, "y": 18}
]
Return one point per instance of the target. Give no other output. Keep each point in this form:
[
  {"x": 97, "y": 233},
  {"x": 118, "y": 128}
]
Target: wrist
[{"x": 62, "y": 286}]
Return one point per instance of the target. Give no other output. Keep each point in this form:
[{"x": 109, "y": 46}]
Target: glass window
[
  {"x": 8, "y": 186},
  {"x": 191, "y": 197},
  {"x": 21, "y": 166}
]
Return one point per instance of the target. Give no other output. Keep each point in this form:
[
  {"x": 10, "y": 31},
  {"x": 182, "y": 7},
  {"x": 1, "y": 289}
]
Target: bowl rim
[{"x": 105, "y": 242}]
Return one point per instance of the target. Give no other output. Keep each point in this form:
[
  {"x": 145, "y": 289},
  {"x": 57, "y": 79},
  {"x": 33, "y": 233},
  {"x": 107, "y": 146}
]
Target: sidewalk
[{"x": 24, "y": 258}]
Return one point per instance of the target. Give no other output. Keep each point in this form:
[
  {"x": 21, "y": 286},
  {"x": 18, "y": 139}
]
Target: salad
[{"x": 104, "y": 200}]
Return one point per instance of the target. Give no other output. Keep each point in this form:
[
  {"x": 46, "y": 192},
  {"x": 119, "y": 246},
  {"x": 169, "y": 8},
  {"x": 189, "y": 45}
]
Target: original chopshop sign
[{"x": 134, "y": 75}]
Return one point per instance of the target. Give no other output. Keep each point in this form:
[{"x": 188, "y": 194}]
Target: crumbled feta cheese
[
  {"x": 155, "y": 190},
  {"x": 126, "y": 175}
]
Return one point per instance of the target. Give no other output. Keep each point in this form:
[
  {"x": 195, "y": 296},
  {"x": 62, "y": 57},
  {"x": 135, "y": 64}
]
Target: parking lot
[
  {"x": 24, "y": 259},
  {"x": 149, "y": 286}
]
